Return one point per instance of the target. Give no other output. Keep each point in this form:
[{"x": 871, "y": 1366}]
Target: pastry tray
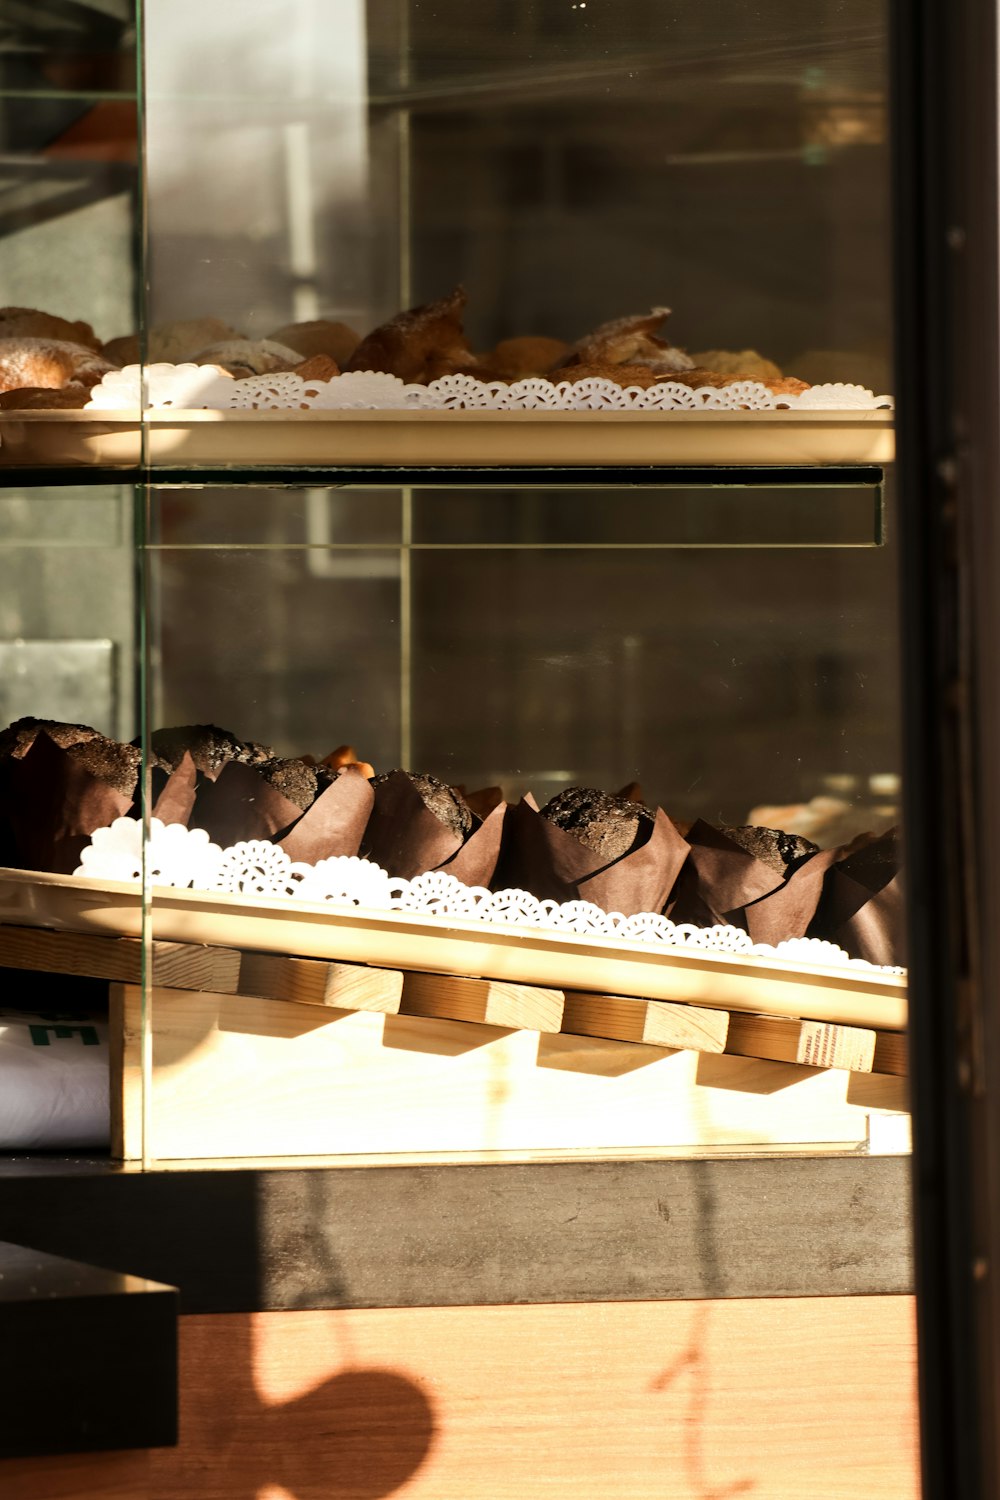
[
  {"x": 751, "y": 983},
  {"x": 466, "y": 437}
]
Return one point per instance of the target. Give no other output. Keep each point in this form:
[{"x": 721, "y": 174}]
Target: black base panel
[{"x": 244, "y": 1239}]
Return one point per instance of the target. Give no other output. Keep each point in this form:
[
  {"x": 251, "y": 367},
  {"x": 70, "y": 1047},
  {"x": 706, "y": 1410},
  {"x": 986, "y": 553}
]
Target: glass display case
[
  {"x": 449, "y": 644},
  {"x": 477, "y": 561}
]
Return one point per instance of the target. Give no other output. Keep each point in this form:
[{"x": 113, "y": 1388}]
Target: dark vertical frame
[{"x": 948, "y": 345}]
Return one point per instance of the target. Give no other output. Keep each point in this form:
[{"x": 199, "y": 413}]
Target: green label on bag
[{"x": 87, "y": 1034}]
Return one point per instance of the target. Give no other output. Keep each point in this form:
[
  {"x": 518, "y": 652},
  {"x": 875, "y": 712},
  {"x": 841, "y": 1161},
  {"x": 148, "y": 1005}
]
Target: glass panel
[
  {"x": 505, "y": 643},
  {"x": 68, "y": 658},
  {"x": 563, "y": 166},
  {"x": 68, "y": 165},
  {"x": 67, "y": 650}
]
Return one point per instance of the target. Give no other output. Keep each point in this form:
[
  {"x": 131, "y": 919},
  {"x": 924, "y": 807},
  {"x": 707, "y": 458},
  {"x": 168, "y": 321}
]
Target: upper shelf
[{"x": 399, "y": 439}]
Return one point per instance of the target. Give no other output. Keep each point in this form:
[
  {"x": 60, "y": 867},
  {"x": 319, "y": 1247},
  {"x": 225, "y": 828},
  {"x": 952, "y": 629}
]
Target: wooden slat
[
  {"x": 311, "y": 981},
  {"x": 658, "y": 1023},
  {"x": 187, "y": 966},
  {"x": 490, "y": 1001},
  {"x": 879, "y": 1091},
  {"x": 125, "y": 1060},
  {"x": 183, "y": 966},
  {"x": 891, "y": 1053},
  {"x": 824, "y": 1045},
  {"x": 814, "y": 1044}
]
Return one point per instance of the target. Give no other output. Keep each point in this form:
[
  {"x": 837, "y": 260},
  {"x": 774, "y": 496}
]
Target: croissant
[
  {"x": 420, "y": 344},
  {"x": 632, "y": 341}
]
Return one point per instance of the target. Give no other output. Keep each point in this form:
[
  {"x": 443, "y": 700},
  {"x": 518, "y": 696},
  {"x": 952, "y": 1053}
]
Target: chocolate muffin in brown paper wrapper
[
  {"x": 420, "y": 824},
  {"x": 555, "y": 865},
  {"x": 862, "y": 905},
  {"x": 54, "y": 796},
  {"x": 335, "y": 822},
  {"x": 758, "y": 879},
  {"x": 242, "y": 803}
]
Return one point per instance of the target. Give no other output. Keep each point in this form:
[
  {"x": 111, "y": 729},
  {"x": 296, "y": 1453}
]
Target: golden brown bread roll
[
  {"x": 319, "y": 367},
  {"x": 520, "y": 358},
  {"x": 72, "y": 397},
  {"x": 27, "y": 323},
  {"x": 123, "y": 351},
  {"x": 48, "y": 364},
  {"x": 170, "y": 343},
  {"x": 321, "y": 336},
  {"x": 420, "y": 344}
]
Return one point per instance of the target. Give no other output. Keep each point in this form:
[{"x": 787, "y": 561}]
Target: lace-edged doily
[
  {"x": 160, "y": 387},
  {"x": 183, "y": 857}
]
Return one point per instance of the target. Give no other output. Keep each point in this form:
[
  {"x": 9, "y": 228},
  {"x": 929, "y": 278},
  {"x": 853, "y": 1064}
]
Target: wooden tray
[
  {"x": 399, "y": 438},
  {"x": 756, "y": 985}
]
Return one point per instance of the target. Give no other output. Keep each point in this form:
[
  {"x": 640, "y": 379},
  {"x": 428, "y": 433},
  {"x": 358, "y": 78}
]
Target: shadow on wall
[{"x": 361, "y": 1434}]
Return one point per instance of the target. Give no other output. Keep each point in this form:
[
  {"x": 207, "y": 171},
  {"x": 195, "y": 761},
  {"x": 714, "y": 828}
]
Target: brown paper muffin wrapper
[
  {"x": 174, "y": 792},
  {"x": 476, "y": 860},
  {"x": 788, "y": 911},
  {"x": 239, "y": 804},
  {"x": 718, "y": 880},
  {"x": 554, "y": 866},
  {"x": 52, "y": 805},
  {"x": 862, "y": 904},
  {"x": 336, "y": 822},
  {"x": 403, "y": 835}
]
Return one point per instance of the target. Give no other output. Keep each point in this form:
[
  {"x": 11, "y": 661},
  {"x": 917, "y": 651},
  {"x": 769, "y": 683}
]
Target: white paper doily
[
  {"x": 183, "y": 857},
  {"x": 160, "y": 387}
]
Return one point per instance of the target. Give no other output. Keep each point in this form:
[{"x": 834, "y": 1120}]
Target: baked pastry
[
  {"x": 608, "y": 825},
  {"x": 747, "y": 364},
  {"x": 48, "y": 364},
  {"x": 170, "y": 343},
  {"x": 783, "y": 385},
  {"x": 243, "y": 357},
  {"x": 320, "y": 336},
  {"x": 632, "y": 341},
  {"x": 623, "y": 375},
  {"x": 520, "y": 358},
  {"x": 107, "y": 761},
  {"x": 772, "y": 846},
  {"x": 419, "y": 345},
  {"x": 17, "y": 739},
  {"x": 294, "y": 779},
  {"x": 209, "y": 747},
  {"x": 317, "y": 367},
  {"x": 346, "y": 756},
  {"x": 441, "y": 800},
  {"x": 72, "y": 397},
  {"x": 28, "y": 323}
]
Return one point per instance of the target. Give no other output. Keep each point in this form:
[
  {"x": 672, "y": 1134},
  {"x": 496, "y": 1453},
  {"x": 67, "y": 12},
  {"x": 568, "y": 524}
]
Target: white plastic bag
[{"x": 53, "y": 1080}]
